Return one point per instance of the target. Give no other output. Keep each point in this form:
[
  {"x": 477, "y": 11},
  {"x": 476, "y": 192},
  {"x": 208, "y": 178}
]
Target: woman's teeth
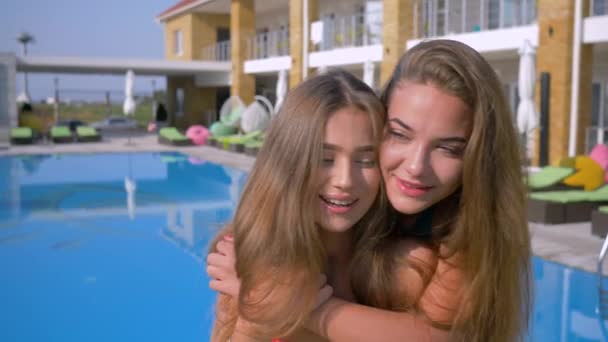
[{"x": 341, "y": 203}]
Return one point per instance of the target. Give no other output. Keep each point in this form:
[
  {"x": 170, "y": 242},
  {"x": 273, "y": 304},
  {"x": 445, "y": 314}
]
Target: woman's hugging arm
[{"x": 435, "y": 301}]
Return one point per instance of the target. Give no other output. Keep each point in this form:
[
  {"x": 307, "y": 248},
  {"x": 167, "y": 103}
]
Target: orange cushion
[{"x": 589, "y": 174}]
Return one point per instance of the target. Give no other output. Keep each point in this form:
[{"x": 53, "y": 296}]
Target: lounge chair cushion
[
  {"x": 254, "y": 144},
  {"x": 21, "y": 132},
  {"x": 219, "y": 129},
  {"x": 240, "y": 139},
  {"x": 548, "y": 176},
  {"x": 60, "y": 132},
  {"x": 85, "y": 131},
  {"x": 171, "y": 133}
]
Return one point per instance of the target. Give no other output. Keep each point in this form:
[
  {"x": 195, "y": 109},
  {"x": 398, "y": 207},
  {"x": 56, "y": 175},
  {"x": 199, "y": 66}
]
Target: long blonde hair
[
  {"x": 276, "y": 240},
  {"x": 486, "y": 226}
]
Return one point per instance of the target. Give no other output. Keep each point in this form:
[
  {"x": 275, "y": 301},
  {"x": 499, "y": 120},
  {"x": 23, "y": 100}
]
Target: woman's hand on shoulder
[
  {"x": 442, "y": 299},
  {"x": 221, "y": 268}
]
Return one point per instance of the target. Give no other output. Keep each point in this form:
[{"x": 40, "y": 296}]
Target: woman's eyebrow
[
  {"x": 448, "y": 139},
  {"x": 454, "y": 140},
  {"x": 400, "y": 123}
]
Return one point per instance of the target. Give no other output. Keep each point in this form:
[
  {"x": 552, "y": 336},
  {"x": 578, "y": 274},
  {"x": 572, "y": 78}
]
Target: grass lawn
[{"x": 43, "y": 114}]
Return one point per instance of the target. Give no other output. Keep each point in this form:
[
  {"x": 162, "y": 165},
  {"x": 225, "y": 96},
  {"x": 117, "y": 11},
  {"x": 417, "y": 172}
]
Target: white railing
[
  {"x": 268, "y": 44},
  {"x": 434, "y": 18},
  {"x": 355, "y": 30},
  {"x": 599, "y": 7},
  {"x": 219, "y": 51},
  {"x": 595, "y": 135}
]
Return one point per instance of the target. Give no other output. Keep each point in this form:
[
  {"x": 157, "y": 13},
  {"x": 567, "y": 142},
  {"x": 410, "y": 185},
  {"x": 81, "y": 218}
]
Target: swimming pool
[{"x": 111, "y": 247}]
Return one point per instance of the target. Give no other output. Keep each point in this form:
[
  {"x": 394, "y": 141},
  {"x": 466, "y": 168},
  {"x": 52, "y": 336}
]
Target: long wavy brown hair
[
  {"x": 483, "y": 223},
  {"x": 279, "y": 252}
]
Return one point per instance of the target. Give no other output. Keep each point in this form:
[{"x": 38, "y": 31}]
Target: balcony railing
[
  {"x": 434, "y": 18},
  {"x": 594, "y": 135},
  {"x": 217, "y": 52},
  {"x": 599, "y": 7},
  {"x": 268, "y": 44},
  {"x": 349, "y": 31}
]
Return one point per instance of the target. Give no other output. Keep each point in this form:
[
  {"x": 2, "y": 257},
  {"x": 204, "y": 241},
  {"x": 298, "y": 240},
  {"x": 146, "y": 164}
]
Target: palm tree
[{"x": 25, "y": 38}]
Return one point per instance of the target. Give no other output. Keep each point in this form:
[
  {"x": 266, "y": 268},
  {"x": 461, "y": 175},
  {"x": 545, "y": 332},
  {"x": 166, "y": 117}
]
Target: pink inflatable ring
[{"x": 198, "y": 134}]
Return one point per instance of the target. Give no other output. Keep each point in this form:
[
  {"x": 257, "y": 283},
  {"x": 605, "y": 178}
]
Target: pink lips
[
  {"x": 412, "y": 189},
  {"x": 336, "y": 209}
]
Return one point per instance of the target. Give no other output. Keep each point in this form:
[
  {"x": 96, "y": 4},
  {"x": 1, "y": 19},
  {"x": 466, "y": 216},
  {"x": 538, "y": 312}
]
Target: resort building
[{"x": 264, "y": 39}]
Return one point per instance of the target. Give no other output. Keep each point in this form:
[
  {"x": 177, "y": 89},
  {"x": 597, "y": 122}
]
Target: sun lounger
[
  {"x": 253, "y": 147},
  {"x": 61, "y": 134},
  {"x": 549, "y": 178},
  {"x": 599, "y": 222},
  {"x": 236, "y": 143},
  {"x": 171, "y": 136},
  {"x": 22, "y": 135},
  {"x": 87, "y": 134},
  {"x": 570, "y": 206}
]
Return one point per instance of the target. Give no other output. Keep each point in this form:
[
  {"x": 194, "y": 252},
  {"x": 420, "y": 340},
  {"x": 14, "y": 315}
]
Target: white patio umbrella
[
  {"x": 527, "y": 118},
  {"x": 129, "y": 106},
  {"x": 281, "y": 89},
  {"x": 23, "y": 98},
  {"x": 368, "y": 73}
]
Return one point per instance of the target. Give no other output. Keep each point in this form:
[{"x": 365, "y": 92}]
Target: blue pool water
[{"x": 82, "y": 258}]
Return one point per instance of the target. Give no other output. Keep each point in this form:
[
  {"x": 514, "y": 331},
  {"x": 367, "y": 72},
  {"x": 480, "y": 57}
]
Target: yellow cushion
[
  {"x": 589, "y": 174},
  {"x": 568, "y": 162}
]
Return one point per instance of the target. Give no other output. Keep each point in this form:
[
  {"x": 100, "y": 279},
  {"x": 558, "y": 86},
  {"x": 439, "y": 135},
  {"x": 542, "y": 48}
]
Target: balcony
[
  {"x": 217, "y": 52},
  {"x": 436, "y": 18},
  {"x": 599, "y": 7},
  {"x": 268, "y": 44},
  {"x": 361, "y": 29}
]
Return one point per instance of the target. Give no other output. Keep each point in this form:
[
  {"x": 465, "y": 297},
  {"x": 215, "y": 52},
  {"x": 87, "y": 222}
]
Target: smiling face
[
  {"x": 350, "y": 178},
  {"x": 421, "y": 156}
]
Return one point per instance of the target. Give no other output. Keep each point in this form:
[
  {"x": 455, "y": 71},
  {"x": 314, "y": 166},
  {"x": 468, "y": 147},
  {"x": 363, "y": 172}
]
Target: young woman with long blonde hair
[
  {"x": 304, "y": 208},
  {"x": 453, "y": 262}
]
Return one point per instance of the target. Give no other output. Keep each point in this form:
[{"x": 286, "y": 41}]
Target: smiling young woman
[{"x": 305, "y": 206}]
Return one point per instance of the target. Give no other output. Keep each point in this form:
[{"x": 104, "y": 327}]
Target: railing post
[
  {"x": 463, "y": 6},
  {"x": 501, "y": 14},
  {"x": 482, "y": 9},
  {"x": 446, "y": 17}
]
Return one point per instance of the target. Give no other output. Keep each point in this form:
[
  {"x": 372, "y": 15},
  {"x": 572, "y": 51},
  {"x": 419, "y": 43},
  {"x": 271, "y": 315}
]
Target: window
[
  {"x": 597, "y": 132},
  {"x": 178, "y": 42},
  {"x": 179, "y": 96},
  {"x": 4, "y": 91}
]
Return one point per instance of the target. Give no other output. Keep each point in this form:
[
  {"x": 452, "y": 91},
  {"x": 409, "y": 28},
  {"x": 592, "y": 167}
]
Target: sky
[{"x": 85, "y": 28}]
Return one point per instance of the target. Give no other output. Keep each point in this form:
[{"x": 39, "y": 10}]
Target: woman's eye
[
  {"x": 328, "y": 160},
  {"x": 398, "y": 135},
  {"x": 452, "y": 151},
  {"x": 367, "y": 162}
]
